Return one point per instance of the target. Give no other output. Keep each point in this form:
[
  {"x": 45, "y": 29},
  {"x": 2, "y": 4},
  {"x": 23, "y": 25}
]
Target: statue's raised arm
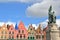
[{"x": 50, "y": 9}]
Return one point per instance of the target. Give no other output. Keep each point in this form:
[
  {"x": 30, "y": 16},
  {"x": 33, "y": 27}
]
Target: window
[
  {"x": 42, "y": 36},
  {"x": 31, "y": 37},
  {"x": 28, "y": 37},
  {"x": 39, "y": 37},
  {"x": 20, "y": 36},
  {"x": 17, "y": 36},
  {"x": 9, "y": 32},
  {"x": 19, "y": 31},
  {"x": 39, "y": 31},
  {"x": 24, "y": 36},
  {"x": 22, "y": 31},
  {"x": 36, "y": 36},
  {"x": 31, "y": 28}
]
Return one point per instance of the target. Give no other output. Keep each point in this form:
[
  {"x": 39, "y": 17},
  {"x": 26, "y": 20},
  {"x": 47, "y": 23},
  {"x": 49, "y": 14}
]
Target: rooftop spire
[{"x": 16, "y": 27}]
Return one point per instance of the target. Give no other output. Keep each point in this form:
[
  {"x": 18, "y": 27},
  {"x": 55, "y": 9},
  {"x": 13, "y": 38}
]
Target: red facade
[{"x": 22, "y": 31}]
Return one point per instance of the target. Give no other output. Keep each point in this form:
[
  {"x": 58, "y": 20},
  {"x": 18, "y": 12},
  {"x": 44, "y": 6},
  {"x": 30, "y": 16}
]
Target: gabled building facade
[
  {"x": 4, "y": 32},
  {"x": 11, "y": 31},
  {"x": 31, "y": 32},
  {"x": 39, "y": 33},
  {"x": 22, "y": 31}
]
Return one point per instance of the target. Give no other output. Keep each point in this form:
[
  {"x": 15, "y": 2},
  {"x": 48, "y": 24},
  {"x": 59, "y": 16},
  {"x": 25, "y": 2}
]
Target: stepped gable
[
  {"x": 11, "y": 28},
  {"x": 23, "y": 30},
  {"x": 4, "y": 27},
  {"x": 21, "y": 25},
  {"x": 38, "y": 30},
  {"x": 31, "y": 27},
  {"x": 8, "y": 26}
]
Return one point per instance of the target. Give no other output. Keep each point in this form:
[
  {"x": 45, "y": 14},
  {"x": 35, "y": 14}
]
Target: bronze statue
[{"x": 52, "y": 17}]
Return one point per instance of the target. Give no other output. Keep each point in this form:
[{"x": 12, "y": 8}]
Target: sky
[{"x": 27, "y": 11}]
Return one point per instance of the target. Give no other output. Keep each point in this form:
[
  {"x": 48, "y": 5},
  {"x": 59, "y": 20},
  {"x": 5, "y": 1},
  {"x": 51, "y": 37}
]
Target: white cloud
[
  {"x": 41, "y": 9},
  {"x": 34, "y": 25},
  {"x": 1, "y": 23},
  {"x": 23, "y": 1},
  {"x": 45, "y": 23},
  {"x": 11, "y": 23}
]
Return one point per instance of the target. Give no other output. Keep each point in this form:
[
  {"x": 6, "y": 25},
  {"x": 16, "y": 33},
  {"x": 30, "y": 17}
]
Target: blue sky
[{"x": 16, "y": 11}]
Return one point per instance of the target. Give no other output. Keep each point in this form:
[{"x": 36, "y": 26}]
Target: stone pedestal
[{"x": 53, "y": 32}]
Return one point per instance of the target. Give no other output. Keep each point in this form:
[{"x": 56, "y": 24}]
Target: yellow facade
[{"x": 4, "y": 32}]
